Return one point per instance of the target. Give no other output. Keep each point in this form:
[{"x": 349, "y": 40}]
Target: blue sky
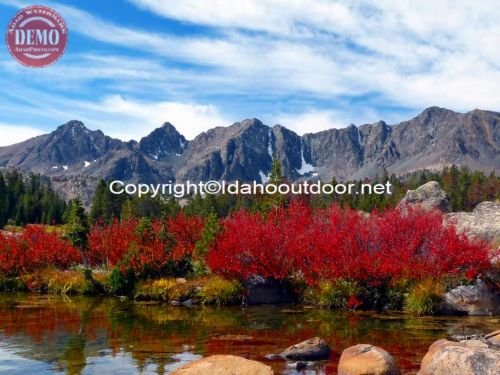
[{"x": 308, "y": 65}]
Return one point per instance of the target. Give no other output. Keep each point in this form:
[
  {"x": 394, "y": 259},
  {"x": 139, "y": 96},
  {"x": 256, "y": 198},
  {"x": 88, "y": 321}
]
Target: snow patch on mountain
[{"x": 304, "y": 166}]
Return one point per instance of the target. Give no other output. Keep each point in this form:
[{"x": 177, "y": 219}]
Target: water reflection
[{"x": 45, "y": 334}]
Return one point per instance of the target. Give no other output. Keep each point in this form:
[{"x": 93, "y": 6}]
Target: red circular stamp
[{"x": 37, "y": 36}]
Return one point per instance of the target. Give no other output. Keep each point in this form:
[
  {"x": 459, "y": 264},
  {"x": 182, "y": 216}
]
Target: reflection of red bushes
[
  {"x": 33, "y": 249},
  {"x": 333, "y": 243}
]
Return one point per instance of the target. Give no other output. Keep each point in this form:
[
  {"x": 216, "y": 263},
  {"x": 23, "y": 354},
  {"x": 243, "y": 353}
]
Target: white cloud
[
  {"x": 117, "y": 116},
  {"x": 312, "y": 121},
  {"x": 11, "y": 133},
  {"x": 275, "y": 16},
  {"x": 429, "y": 52},
  {"x": 407, "y": 54},
  {"x": 126, "y": 118}
]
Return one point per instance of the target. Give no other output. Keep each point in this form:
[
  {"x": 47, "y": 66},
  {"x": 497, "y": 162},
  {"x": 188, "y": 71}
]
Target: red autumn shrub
[
  {"x": 109, "y": 244},
  {"x": 325, "y": 244},
  {"x": 331, "y": 243},
  {"x": 252, "y": 244},
  {"x": 35, "y": 248},
  {"x": 12, "y": 255},
  {"x": 120, "y": 242},
  {"x": 186, "y": 231}
]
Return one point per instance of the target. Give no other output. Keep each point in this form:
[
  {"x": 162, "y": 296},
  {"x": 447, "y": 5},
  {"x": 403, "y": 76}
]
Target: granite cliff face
[{"x": 245, "y": 150}]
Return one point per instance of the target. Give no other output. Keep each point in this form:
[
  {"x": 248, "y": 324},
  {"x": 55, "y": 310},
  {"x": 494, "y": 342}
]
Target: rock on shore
[
  {"x": 468, "y": 357},
  {"x": 265, "y": 291},
  {"x": 224, "y": 365},
  {"x": 478, "y": 299},
  {"x": 367, "y": 359}
]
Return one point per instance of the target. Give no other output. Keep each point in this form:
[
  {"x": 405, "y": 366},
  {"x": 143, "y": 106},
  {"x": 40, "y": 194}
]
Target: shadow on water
[{"x": 91, "y": 335}]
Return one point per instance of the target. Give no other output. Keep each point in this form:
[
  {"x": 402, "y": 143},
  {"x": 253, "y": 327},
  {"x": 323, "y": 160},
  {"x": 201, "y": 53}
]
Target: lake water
[{"x": 91, "y": 335}]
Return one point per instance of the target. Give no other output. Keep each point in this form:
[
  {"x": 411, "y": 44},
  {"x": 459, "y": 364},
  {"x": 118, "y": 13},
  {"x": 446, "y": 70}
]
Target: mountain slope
[{"x": 245, "y": 150}]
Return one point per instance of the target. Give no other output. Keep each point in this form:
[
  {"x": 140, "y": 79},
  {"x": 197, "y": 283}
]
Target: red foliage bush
[
  {"x": 186, "y": 231},
  {"x": 35, "y": 248},
  {"x": 332, "y": 243},
  {"x": 170, "y": 240},
  {"x": 325, "y": 244},
  {"x": 109, "y": 244}
]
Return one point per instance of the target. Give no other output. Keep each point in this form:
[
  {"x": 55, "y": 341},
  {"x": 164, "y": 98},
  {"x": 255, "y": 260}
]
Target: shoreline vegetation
[
  {"x": 319, "y": 251},
  {"x": 396, "y": 259}
]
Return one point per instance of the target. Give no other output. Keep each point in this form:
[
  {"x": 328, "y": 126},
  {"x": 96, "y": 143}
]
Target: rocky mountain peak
[
  {"x": 251, "y": 122},
  {"x": 245, "y": 150},
  {"x": 435, "y": 114},
  {"x": 163, "y": 142},
  {"x": 73, "y": 127}
]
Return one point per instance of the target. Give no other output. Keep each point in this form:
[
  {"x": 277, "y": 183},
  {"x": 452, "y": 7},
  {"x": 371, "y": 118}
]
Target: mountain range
[{"x": 75, "y": 158}]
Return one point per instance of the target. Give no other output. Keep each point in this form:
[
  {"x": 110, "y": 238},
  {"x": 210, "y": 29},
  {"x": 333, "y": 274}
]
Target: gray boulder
[
  {"x": 478, "y": 299},
  {"x": 265, "y": 291},
  {"x": 482, "y": 223},
  {"x": 428, "y": 196},
  {"x": 314, "y": 349},
  {"x": 468, "y": 357}
]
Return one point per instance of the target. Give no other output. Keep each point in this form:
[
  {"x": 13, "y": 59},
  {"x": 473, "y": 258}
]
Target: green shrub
[
  {"x": 121, "y": 282},
  {"x": 424, "y": 297},
  {"x": 331, "y": 294},
  {"x": 396, "y": 294},
  {"x": 220, "y": 291},
  {"x": 162, "y": 289},
  {"x": 12, "y": 284}
]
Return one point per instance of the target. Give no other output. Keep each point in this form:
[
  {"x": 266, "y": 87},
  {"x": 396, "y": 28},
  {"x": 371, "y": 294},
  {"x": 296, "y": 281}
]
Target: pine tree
[
  {"x": 276, "y": 176},
  {"x": 98, "y": 209},
  {"x": 273, "y": 201},
  {"x": 78, "y": 228},
  {"x": 127, "y": 210},
  {"x": 208, "y": 235}
]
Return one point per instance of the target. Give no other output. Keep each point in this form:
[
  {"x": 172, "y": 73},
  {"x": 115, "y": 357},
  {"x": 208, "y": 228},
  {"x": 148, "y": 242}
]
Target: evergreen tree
[
  {"x": 98, "y": 210},
  {"x": 78, "y": 228},
  {"x": 208, "y": 235},
  {"x": 273, "y": 201},
  {"x": 276, "y": 176},
  {"x": 106, "y": 206},
  {"x": 127, "y": 211}
]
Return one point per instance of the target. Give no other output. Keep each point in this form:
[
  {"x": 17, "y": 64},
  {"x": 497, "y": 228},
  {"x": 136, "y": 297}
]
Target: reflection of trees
[
  {"x": 67, "y": 332},
  {"x": 74, "y": 356}
]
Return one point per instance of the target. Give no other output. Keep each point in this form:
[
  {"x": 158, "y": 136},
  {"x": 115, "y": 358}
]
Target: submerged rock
[
  {"x": 224, "y": 365},
  {"x": 265, "y": 291},
  {"x": 364, "y": 359},
  {"x": 428, "y": 196},
  {"x": 314, "y": 349},
  {"x": 478, "y": 299},
  {"x": 468, "y": 357}
]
